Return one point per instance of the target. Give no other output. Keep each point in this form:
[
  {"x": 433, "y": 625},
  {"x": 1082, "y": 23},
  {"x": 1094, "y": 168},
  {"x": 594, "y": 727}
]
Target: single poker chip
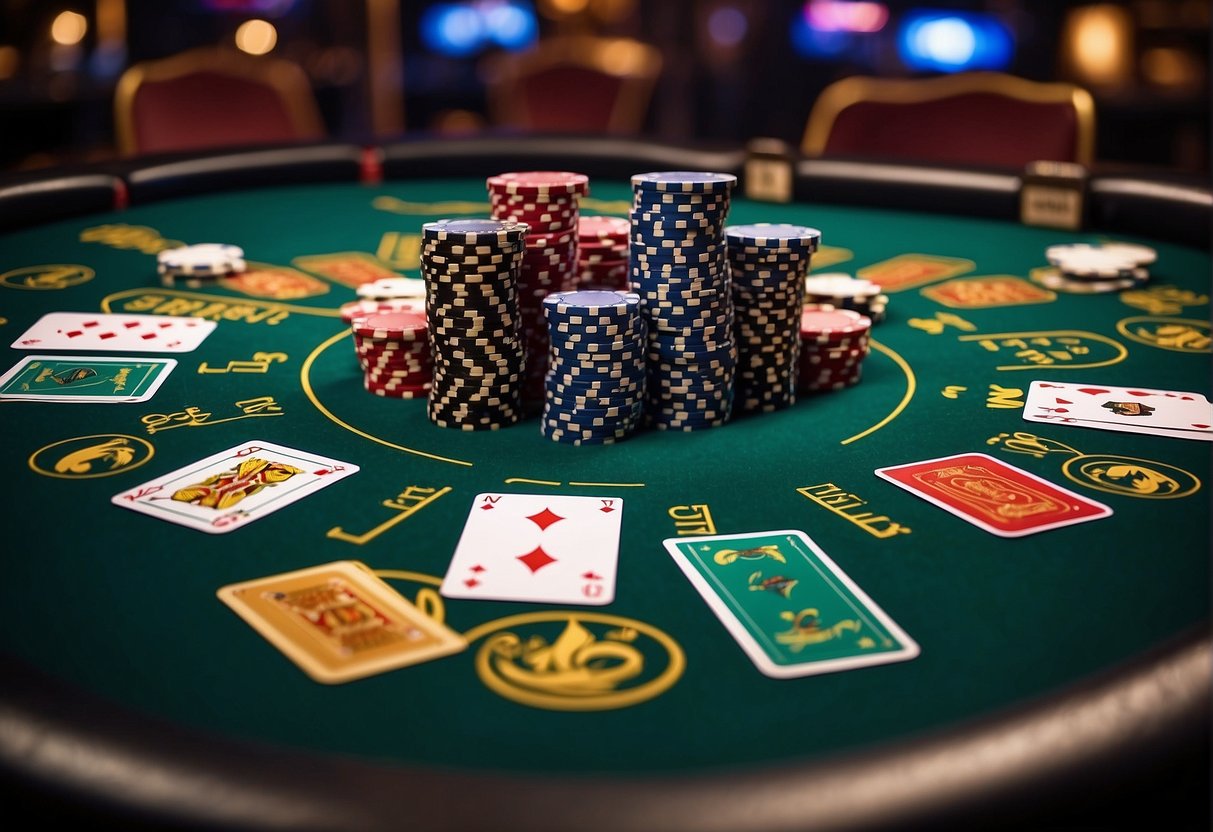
[
  {"x": 474, "y": 231},
  {"x": 1058, "y": 282},
  {"x": 1142, "y": 255},
  {"x": 392, "y": 287},
  {"x": 540, "y": 182},
  {"x": 603, "y": 227},
  {"x": 201, "y": 259},
  {"x": 1090, "y": 260},
  {"x": 840, "y": 285},
  {"x": 591, "y": 303},
  {"x": 684, "y": 181},
  {"x": 818, "y": 324},
  {"x": 355, "y": 308},
  {"x": 394, "y": 325},
  {"x": 774, "y": 234}
]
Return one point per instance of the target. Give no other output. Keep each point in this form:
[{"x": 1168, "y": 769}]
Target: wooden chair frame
[
  {"x": 855, "y": 89},
  {"x": 635, "y": 63},
  {"x": 286, "y": 78}
]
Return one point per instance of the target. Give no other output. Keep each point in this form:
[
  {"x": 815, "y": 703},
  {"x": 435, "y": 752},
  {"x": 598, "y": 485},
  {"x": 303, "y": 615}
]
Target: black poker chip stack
[{"x": 471, "y": 269}]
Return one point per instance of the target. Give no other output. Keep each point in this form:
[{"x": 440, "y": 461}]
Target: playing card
[
  {"x": 339, "y": 622},
  {"x": 548, "y": 549},
  {"x": 84, "y": 378},
  {"x": 229, "y": 489},
  {"x": 114, "y": 332},
  {"x": 992, "y": 495},
  {"x": 788, "y": 605},
  {"x": 1172, "y": 413}
]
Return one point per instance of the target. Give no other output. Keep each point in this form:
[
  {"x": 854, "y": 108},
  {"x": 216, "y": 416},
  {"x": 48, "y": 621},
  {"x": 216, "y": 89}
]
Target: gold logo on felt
[
  {"x": 576, "y": 661},
  {"x": 90, "y": 457},
  {"x": 48, "y": 277}
]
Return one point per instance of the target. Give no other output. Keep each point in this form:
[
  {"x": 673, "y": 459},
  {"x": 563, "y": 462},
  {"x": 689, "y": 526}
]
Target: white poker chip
[
  {"x": 1089, "y": 260},
  {"x": 1142, "y": 255},
  {"x": 838, "y": 284},
  {"x": 201, "y": 259},
  {"x": 356, "y": 308},
  {"x": 393, "y": 287}
]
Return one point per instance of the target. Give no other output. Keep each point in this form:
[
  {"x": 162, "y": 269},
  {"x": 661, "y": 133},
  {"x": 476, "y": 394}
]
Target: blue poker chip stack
[
  {"x": 471, "y": 268},
  {"x": 768, "y": 263},
  {"x": 679, "y": 268},
  {"x": 594, "y": 387}
]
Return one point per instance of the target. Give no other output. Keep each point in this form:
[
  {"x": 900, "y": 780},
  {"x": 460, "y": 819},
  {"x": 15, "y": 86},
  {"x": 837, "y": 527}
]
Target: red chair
[
  {"x": 977, "y": 118},
  {"x": 209, "y": 98},
  {"x": 574, "y": 85}
]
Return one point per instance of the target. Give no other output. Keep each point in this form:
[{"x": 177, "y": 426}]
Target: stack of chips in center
[
  {"x": 394, "y": 353},
  {"x": 595, "y": 380},
  {"x": 680, "y": 271},
  {"x": 768, "y": 263},
  {"x": 471, "y": 271},
  {"x": 602, "y": 252},
  {"x": 548, "y": 202},
  {"x": 833, "y": 345}
]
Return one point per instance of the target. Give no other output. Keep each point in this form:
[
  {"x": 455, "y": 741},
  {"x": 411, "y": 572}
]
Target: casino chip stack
[
  {"x": 602, "y": 252},
  {"x": 842, "y": 291},
  {"x": 680, "y": 271},
  {"x": 833, "y": 345},
  {"x": 768, "y": 263},
  {"x": 394, "y": 351},
  {"x": 198, "y": 265},
  {"x": 594, "y": 389},
  {"x": 548, "y": 202},
  {"x": 471, "y": 278},
  {"x": 1092, "y": 269}
]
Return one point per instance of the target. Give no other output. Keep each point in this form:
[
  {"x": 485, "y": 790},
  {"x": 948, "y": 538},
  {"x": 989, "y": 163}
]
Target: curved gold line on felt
[
  {"x": 515, "y": 480},
  {"x": 276, "y": 305},
  {"x": 404, "y": 575},
  {"x": 610, "y": 484},
  {"x": 1082, "y": 333},
  {"x": 911, "y": 386},
  {"x": 311, "y": 395}
]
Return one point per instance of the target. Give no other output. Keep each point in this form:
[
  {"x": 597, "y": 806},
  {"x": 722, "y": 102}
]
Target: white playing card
[
  {"x": 114, "y": 332},
  {"x": 1171, "y": 413},
  {"x": 556, "y": 549},
  {"x": 229, "y": 489}
]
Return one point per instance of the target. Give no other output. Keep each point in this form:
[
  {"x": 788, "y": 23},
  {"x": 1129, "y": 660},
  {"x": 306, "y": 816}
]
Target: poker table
[{"x": 1057, "y": 664}]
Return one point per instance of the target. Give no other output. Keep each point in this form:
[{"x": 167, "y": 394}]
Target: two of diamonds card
[
  {"x": 234, "y": 487},
  {"x": 1173, "y": 413},
  {"x": 114, "y": 332},
  {"x": 553, "y": 549},
  {"x": 85, "y": 378},
  {"x": 340, "y": 622},
  {"x": 788, "y": 605}
]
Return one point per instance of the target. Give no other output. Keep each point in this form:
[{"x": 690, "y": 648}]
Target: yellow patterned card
[
  {"x": 905, "y": 271},
  {"x": 338, "y": 622}
]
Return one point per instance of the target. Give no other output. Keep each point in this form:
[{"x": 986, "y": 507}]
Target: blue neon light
[
  {"x": 954, "y": 41},
  {"x": 463, "y": 29}
]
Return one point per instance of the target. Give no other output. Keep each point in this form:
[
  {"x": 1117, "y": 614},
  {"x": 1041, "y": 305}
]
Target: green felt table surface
[{"x": 125, "y": 605}]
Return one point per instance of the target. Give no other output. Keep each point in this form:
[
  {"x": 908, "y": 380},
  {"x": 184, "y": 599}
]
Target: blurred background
[{"x": 725, "y": 71}]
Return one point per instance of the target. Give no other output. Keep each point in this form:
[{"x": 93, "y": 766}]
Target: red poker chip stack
[
  {"x": 393, "y": 349},
  {"x": 833, "y": 344},
  {"x": 549, "y": 203},
  {"x": 603, "y": 251}
]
